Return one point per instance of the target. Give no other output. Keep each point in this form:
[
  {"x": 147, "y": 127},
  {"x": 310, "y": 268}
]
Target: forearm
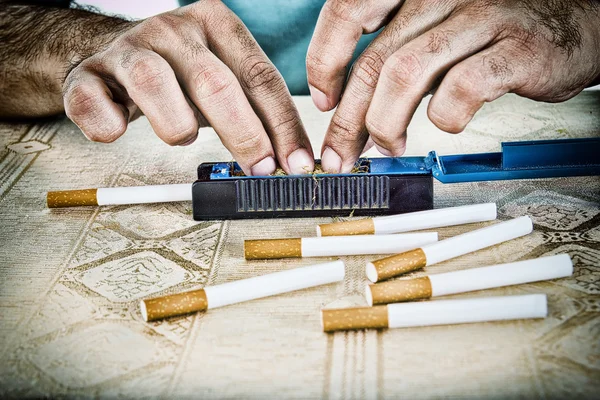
[{"x": 38, "y": 47}]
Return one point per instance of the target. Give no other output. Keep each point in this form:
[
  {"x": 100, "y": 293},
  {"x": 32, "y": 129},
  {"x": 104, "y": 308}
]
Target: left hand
[{"x": 475, "y": 50}]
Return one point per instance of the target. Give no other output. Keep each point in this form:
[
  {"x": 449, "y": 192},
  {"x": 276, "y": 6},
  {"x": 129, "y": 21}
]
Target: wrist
[{"x": 89, "y": 34}]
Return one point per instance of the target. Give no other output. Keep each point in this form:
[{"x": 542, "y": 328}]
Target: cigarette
[
  {"x": 120, "y": 195},
  {"x": 335, "y": 246},
  {"x": 540, "y": 269},
  {"x": 443, "y": 250},
  {"x": 242, "y": 290},
  {"x": 439, "y": 312},
  {"x": 411, "y": 221}
]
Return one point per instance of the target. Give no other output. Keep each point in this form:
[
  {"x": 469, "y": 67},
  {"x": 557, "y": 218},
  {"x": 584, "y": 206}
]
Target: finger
[
  {"x": 266, "y": 91},
  {"x": 89, "y": 104},
  {"x": 411, "y": 71},
  {"x": 347, "y": 133},
  {"x": 370, "y": 143},
  {"x": 214, "y": 89},
  {"x": 151, "y": 83},
  {"x": 340, "y": 25},
  {"x": 202, "y": 122},
  {"x": 481, "y": 78}
]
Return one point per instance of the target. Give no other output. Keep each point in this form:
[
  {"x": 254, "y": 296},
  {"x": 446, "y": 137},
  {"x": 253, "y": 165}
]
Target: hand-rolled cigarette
[
  {"x": 411, "y": 221},
  {"x": 120, "y": 195},
  {"x": 439, "y": 312},
  {"x": 242, "y": 290},
  {"x": 539, "y": 269},
  {"x": 335, "y": 245},
  {"x": 443, "y": 250}
]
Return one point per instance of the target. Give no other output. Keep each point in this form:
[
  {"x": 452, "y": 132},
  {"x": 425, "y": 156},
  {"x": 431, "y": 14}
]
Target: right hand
[{"x": 192, "y": 67}]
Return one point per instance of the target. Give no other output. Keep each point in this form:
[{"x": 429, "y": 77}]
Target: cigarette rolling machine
[{"x": 381, "y": 186}]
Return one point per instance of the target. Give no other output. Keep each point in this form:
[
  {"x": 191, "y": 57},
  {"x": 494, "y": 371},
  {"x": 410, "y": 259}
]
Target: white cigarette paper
[
  {"x": 540, "y": 269},
  {"x": 443, "y": 312},
  {"x": 434, "y": 253},
  {"x": 120, "y": 195},
  {"x": 355, "y": 245},
  {"x": 515, "y": 273},
  {"x": 477, "y": 239},
  {"x": 336, "y": 245},
  {"x": 412, "y": 221},
  {"x": 243, "y": 290},
  {"x": 439, "y": 312}
]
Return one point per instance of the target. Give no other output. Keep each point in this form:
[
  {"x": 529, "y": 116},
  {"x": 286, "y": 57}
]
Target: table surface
[{"x": 71, "y": 279}]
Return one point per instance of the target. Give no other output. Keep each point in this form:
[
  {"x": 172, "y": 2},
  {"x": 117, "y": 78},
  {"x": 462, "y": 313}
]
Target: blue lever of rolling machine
[{"x": 520, "y": 160}]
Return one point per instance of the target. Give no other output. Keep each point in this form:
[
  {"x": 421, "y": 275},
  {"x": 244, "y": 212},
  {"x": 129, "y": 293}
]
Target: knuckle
[
  {"x": 105, "y": 132},
  {"x": 80, "y": 100},
  {"x": 258, "y": 73},
  {"x": 181, "y": 133},
  {"x": 341, "y": 10},
  {"x": 248, "y": 143},
  {"x": 163, "y": 26},
  {"x": 113, "y": 131},
  {"x": 447, "y": 123},
  {"x": 164, "y": 23},
  {"x": 379, "y": 133},
  {"x": 404, "y": 70},
  {"x": 147, "y": 75},
  {"x": 367, "y": 69},
  {"x": 315, "y": 64},
  {"x": 321, "y": 68},
  {"x": 465, "y": 83},
  {"x": 287, "y": 128},
  {"x": 343, "y": 130},
  {"x": 210, "y": 83}
]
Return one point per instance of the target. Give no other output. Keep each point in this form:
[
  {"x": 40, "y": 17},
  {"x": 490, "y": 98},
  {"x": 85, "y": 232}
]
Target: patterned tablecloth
[{"x": 70, "y": 279}]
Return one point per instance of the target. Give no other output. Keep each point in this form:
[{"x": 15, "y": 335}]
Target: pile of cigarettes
[{"x": 392, "y": 302}]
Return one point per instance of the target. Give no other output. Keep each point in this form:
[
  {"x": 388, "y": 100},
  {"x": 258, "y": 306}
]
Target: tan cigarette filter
[
  {"x": 272, "y": 248},
  {"x": 175, "y": 304},
  {"x": 399, "y": 290},
  {"x": 360, "y": 227},
  {"x": 354, "y": 318},
  {"x": 72, "y": 198},
  {"x": 399, "y": 264}
]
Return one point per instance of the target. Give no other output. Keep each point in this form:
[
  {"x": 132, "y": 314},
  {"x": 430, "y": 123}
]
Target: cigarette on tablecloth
[
  {"x": 439, "y": 312},
  {"x": 242, "y": 290},
  {"x": 120, "y": 195},
  {"x": 335, "y": 245},
  {"x": 539, "y": 269},
  {"x": 443, "y": 250},
  {"x": 411, "y": 221}
]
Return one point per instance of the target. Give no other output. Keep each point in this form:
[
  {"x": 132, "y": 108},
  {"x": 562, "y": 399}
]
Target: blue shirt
[{"x": 283, "y": 28}]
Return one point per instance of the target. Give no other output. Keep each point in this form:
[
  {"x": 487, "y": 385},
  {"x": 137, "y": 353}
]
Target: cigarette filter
[
  {"x": 411, "y": 221},
  {"x": 515, "y": 273},
  {"x": 120, "y": 195},
  {"x": 430, "y": 254},
  {"x": 335, "y": 246},
  {"x": 439, "y": 312},
  {"x": 242, "y": 290}
]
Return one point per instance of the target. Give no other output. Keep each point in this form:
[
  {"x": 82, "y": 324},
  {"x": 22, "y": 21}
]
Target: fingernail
[
  {"x": 383, "y": 151},
  {"x": 319, "y": 98},
  {"x": 300, "y": 162},
  {"x": 264, "y": 167},
  {"x": 331, "y": 161}
]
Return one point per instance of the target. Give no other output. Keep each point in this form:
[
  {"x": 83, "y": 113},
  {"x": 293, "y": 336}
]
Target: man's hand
[
  {"x": 470, "y": 51},
  {"x": 195, "y": 66},
  {"x": 187, "y": 68}
]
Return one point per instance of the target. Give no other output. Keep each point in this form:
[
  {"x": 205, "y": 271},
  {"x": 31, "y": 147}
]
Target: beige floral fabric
[{"x": 71, "y": 279}]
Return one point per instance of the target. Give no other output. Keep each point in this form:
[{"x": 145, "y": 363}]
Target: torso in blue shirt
[{"x": 283, "y": 28}]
